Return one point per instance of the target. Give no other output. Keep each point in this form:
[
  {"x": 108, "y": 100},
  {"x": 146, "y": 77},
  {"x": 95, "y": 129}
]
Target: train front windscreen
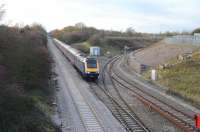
[{"x": 91, "y": 63}]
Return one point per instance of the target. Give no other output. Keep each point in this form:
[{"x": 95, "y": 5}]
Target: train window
[{"x": 91, "y": 63}]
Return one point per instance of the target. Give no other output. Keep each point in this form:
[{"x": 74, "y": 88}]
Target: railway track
[
  {"x": 119, "y": 107},
  {"x": 89, "y": 121},
  {"x": 122, "y": 111},
  {"x": 179, "y": 118}
]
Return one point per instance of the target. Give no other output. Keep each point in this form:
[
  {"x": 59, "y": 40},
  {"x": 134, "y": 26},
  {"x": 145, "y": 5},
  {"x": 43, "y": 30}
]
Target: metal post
[{"x": 125, "y": 53}]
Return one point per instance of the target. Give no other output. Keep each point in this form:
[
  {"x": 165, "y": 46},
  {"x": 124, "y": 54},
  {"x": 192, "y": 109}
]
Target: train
[{"x": 87, "y": 66}]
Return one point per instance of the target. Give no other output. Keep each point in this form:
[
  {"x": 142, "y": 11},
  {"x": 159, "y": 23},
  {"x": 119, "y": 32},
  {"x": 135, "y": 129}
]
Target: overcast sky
[{"x": 142, "y": 15}]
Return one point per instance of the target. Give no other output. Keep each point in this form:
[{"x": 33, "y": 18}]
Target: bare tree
[
  {"x": 196, "y": 31},
  {"x": 2, "y": 11},
  {"x": 130, "y": 31},
  {"x": 80, "y": 25}
]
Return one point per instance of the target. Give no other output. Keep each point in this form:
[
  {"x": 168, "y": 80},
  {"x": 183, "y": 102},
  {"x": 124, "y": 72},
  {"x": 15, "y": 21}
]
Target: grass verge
[{"x": 182, "y": 78}]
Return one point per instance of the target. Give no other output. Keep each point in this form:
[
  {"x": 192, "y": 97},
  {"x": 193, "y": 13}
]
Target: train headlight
[{"x": 87, "y": 72}]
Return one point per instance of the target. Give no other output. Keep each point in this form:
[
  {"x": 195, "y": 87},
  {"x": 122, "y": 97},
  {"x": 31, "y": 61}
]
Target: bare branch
[{"x": 2, "y": 11}]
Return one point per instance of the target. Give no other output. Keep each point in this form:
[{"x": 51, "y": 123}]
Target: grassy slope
[{"x": 183, "y": 78}]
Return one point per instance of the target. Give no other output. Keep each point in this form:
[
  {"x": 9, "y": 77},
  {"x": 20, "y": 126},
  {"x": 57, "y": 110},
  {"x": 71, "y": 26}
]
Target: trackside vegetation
[
  {"x": 182, "y": 77},
  {"x": 25, "y": 71},
  {"x": 82, "y": 37}
]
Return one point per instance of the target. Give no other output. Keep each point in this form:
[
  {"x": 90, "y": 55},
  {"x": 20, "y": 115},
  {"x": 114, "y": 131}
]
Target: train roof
[
  {"x": 74, "y": 51},
  {"x": 91, "y": 57}
]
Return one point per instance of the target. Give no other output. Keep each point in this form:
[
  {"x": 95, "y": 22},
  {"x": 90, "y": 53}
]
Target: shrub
[
  {"x": 196, "y": 31},
  {"x": 25, "y": 62}
]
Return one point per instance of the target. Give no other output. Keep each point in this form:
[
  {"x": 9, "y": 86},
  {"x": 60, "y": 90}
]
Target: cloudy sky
[{"x": 142, "y": 15}]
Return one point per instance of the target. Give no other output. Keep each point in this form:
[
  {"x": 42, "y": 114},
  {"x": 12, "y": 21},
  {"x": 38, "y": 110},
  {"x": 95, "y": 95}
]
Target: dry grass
[{"x": 182, "y": 79}]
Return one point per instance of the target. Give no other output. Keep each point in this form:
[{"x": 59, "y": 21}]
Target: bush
[
  {"x": 196, "y": 31},
  {"x": 20, "y": 114},
  {"x": 95, "y": 39},
  {"x": 25, "y": 68},
  {"x": 113, "y": 41}
]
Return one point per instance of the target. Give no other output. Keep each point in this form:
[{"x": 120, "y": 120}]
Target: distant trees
[
  {"x": 80, "y": 32},
  {"x": 80, "y": 25},
  {"x": 2, "y": 11},
  {"x": 73, "y": 34},
  {"x": 106, "y": 39},
  {"x": 196, "y": 31},
  {"x": 95, "y": 39},
  {"x": 130, "y": 31}
]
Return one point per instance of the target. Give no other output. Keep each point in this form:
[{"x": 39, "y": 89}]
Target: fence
[{"x": 184, "y": 39}]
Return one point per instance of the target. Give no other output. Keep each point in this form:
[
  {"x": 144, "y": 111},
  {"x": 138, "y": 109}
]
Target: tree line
[{"x": 25, "y": 71}]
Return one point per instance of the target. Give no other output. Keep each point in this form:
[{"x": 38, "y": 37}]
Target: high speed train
[{"x": 87, "y": 66}]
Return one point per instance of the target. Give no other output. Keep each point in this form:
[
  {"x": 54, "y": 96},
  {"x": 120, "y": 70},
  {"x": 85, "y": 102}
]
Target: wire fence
[{"x": 184, "y": 39}]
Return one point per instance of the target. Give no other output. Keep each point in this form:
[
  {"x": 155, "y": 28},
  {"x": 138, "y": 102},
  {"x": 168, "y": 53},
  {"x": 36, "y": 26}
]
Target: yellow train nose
[{"x": 92, "y": 70}]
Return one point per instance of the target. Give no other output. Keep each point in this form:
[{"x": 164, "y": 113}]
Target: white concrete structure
[
  {"x": 153, "y": 75},
  {"x": 94, "y": 51}
]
